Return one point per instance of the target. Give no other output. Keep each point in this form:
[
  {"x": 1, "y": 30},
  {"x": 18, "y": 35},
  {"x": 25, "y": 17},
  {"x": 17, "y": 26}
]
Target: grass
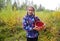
[{"x": 13, "y": 31}]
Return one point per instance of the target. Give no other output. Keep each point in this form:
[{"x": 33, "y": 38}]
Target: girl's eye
[{"x": 31, "y": 10}]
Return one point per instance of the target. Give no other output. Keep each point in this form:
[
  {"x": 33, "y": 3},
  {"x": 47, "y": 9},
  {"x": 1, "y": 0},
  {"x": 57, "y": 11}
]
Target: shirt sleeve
[{"x": 26, "y": 25}]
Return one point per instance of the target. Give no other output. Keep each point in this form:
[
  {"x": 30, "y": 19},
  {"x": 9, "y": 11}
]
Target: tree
[
  {"x": 1, "y": 4},
  {"x": 14, "y": 6},
  {"x": 41, "y": 8}
]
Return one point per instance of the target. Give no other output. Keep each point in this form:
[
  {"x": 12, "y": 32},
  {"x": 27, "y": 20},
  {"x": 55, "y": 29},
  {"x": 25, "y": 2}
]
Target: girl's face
[{"x": 30, "y": 10}]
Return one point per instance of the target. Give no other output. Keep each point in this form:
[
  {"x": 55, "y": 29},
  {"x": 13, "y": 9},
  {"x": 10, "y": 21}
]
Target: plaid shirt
[{"x": 28, "y": 22}]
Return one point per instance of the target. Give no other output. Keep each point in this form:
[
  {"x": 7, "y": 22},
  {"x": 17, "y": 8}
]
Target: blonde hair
[{"x": 31, "y": 7}]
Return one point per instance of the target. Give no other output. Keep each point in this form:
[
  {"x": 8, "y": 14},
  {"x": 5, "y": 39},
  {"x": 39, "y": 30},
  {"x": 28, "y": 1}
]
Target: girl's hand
[{"x": 36, "y": 28}]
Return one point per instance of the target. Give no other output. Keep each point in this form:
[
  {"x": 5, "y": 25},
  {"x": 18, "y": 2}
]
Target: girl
[{"x": 28, "y": 24}]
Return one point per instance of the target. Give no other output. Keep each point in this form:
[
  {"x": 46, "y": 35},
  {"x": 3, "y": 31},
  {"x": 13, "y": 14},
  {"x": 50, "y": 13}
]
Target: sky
[{"x": 48, "y": 4}]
